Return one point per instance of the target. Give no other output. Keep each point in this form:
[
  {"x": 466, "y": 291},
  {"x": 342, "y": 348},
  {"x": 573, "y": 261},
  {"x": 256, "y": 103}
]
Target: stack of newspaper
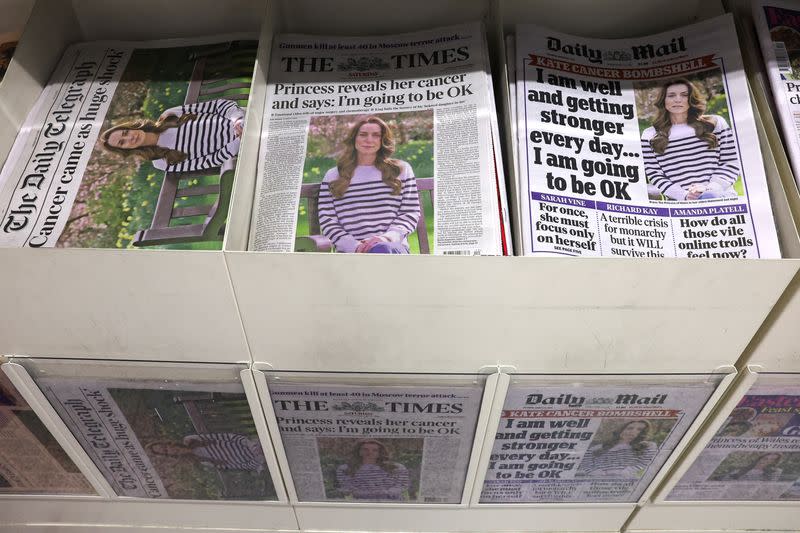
[
  {"x": 642, "y": 147},
  {"x": 381, "y": 144}
]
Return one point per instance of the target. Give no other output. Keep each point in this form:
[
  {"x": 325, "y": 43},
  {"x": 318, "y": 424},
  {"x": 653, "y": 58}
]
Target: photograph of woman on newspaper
[
  {"x": 369, "y": 202},
  {"x": 184, "y": 138},
  {"x": 688, "y": 155},
  {"x": 626, "y": 454},
  {"x": 763, "y": 467},
  {"x": 370, "y": 474}
]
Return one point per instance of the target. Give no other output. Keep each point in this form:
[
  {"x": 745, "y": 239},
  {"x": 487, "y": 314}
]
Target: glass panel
[
  {"x": 31, "y": 461},
  {"x": 377, "y": 438},
  {"x": 589, "y": 438},
  {"x": 755, "y": 455},
  {"x": 162, "y": 437}
]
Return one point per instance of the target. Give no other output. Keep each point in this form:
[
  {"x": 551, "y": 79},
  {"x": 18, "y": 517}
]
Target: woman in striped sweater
[
  {"x": 627, "y": 454},
  {"x": 689, "y": 155},
  {"x": 185, "y": 138},
  {"x": 371, "y": 475},
  {"x": 369, "y": 202}
]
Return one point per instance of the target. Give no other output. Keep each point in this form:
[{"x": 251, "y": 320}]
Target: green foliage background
[{"x": 789, "y": 465}]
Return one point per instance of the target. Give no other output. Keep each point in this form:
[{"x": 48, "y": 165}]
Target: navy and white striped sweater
[
  {"x": 209, "y": 140},
  {"x": 368, "y": 208},
  {"x": 688, "y": 160}
]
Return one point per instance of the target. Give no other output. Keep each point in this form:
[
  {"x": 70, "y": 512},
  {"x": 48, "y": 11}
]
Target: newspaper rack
[
  {"x": 109, "y": 508},
  {"x": 716, "y": 515},
  {"x": 310, "y": 312}
]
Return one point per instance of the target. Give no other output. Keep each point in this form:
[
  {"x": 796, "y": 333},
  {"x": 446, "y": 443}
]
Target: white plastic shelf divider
[{"x": 162, "y": 305}]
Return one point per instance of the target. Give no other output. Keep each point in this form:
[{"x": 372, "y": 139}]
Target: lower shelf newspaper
[{"x": 587, "y": 441}]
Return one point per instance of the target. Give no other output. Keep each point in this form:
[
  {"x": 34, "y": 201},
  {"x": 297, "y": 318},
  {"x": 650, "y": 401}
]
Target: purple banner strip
[
  {"x": 565, "y": 200},
  {"x": 709, "y": 211},
  {"x": 634, "y": 209}
]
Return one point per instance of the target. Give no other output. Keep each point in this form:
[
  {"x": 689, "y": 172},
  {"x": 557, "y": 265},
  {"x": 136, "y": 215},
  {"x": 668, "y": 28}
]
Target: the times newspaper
[
  {"x": 755, "y": 455},
  {"x": 90, "y": 166},
  {"x": 641, "y": 147},
  {"x": 587, "y": 442},
  {"x": 427, "y": 181},
  {"x": 377, "y": 444},
  {"x": 152, "y": 439},
  {"x": 31, "y": 460},
  {"x": 778, "y": 27}
]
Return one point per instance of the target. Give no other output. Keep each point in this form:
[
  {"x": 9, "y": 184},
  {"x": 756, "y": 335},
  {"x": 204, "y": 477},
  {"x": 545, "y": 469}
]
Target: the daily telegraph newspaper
[
  {"x": 377, "y": 444},
  {"x": 381, "y": 144},
  {"x": 31, "y": 460},
  {"x": 778, "y": 27},
  {"x": 641, "y": 147},
  {"x": 151, "y": 439},
  {"x": 587, "y": 442},
  {"x": 755, "y": 455},
  {"x": 130, "y": 144}
]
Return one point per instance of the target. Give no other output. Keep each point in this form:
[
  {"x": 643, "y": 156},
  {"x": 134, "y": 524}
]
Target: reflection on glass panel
[
  {"x": 368, "y": 443},
  {"x": 755, "y": 455},
  {"x": 31, "y": 461},
  {"x": 588, "y": 439},
  {"x": 163, "y": 439}
]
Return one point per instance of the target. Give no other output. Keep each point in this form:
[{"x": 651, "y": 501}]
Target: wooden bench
[
  {"x": 208, "y": 81},
  {"x": 316, "y": 242}
]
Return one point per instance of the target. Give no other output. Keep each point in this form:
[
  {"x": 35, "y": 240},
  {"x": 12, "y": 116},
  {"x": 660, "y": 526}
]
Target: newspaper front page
[
  {"x": 130, "y": 144},
  {"x": 778, "y": 27},
  {"x": 587, "y": 442},
  {"x": 640, "y": 147},
  {"x": 380, "y": 144},
  {"x": 377, "y": 444},
  {"x": 31, "y": 460},
  {"x": 755, "y": 455},
  {"x": 152, "y": 439}
]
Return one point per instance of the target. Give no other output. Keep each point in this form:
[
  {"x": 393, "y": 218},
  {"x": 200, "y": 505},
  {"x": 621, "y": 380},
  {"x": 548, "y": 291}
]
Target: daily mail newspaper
[
  {"x": 130, "y": 144},
  {"x": 380, "y": 144},
  {"x": 641, "y": 147},
  {"x": 778, "y": 27},
  {"x": 377, "y": 444},
  {"x": 755, "y": 455},
  {"x": 153, "y": 440},
  {"x": 589, "y": 442}
]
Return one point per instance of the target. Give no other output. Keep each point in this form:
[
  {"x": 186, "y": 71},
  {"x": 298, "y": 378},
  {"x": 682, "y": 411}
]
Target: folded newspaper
[
  {"x": 381, "y": 144},
  {"x": 641, "y": 147},
  {"x": 755, "y": 455},
  {"x": 377, "y": 444},
  {"x": 778, "y": 27},
  {"x": 587, "y": 442},
  {"x": 130, "y": 144}
]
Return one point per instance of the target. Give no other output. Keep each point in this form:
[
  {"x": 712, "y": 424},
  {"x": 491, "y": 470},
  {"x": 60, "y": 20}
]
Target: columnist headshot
[
  {"x": 624, "y": 453},
  {"x": 369, "y": 202},
  {"x": 370, "y": 474},
  {"x": 185, "y": 138},
  {"x": 689, "y": 153}
]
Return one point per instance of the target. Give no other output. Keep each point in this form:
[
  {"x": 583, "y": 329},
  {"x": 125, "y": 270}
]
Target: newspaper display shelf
[
  {"x": 584, "y": 316},
  {"x": 715, "y": 515},
  {"x": 163, "y": 305},
  {"x": 107, "y": 509}
]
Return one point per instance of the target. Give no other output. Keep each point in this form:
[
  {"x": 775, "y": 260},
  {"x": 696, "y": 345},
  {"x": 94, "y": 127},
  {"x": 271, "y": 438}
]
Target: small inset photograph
[
  {"x": 376, "y": 470},
  {"x": 368, "y": 184},
  {"x": 688, "y": 143},
  {"x": 758, "y": 466},
  {"x": 624, "y": 447}
]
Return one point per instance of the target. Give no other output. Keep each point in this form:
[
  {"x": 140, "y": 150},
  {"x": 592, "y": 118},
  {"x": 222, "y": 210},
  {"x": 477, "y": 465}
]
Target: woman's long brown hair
[
  {"x": 637, "y": 445},
  {"x": 346, "y": 165},
  {"x": 151, "y": 153},
  {"x": 702, "y": 125},
  {"x": 384, "y": 457}
]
